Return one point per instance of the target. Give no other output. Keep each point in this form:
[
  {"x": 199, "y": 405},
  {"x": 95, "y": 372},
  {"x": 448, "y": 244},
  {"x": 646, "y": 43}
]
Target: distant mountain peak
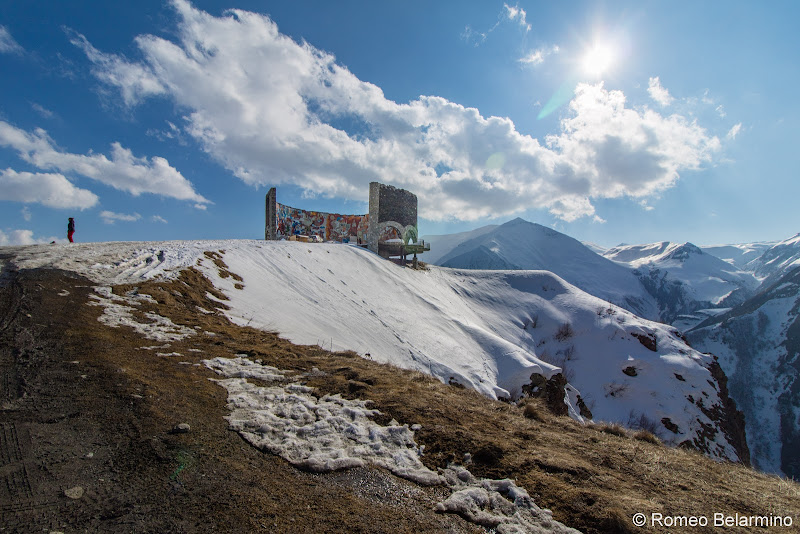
[{"x": 682, "y": 252}]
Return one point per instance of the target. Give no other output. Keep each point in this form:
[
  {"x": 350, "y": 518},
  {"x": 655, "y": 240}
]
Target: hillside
[
  {"x": 107, "y": 456},
  {"x": 498, "y": 332}
]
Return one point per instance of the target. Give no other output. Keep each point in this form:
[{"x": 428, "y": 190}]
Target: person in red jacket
[{"x": 70, "y": 229}]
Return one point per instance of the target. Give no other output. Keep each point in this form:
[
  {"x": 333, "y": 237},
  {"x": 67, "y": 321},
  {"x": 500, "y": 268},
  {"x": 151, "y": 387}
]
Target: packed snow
[
  {"x": 488, "y": 330},
  {"x": 319, "y": 434},
  {"x": 500, "y": 505}
]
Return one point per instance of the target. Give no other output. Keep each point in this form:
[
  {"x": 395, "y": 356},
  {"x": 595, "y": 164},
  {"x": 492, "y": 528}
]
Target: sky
[{"x": 612, "y": 122}]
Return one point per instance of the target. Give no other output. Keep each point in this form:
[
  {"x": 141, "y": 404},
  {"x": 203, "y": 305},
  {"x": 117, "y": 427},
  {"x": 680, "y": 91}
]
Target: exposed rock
[
  {"x": 669, "y": 425},
  {"x": 74, "y": 493},
  {"x": 552, "y": 391},
  {"x": 648, "y": 340},
  {"x": 181, "y": 428}
]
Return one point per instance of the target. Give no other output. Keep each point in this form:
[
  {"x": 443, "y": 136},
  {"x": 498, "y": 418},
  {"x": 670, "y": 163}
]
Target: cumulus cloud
[
  {"x": 274, "y": 111},
  {"x": 158, "y": 219},
  {"x": 620, "y": 151},
  {"x": 49, "y": 189},
  {"x": 109, "y": 217},
  {"x": 7, "y": 43},
  {"x": 658, "y": 93},
  {"x": 122, "y": 171}
]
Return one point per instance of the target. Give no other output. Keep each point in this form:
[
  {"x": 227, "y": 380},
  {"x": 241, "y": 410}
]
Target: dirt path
[{"x": 86, "y": 441}]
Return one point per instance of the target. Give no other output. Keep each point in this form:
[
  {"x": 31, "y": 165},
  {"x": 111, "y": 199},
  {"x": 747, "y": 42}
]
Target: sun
[{"x": 598, "y": 59}]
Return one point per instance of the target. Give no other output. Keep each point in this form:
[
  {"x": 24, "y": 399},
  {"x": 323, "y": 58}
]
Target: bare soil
[{"x": 90, "y": 406}]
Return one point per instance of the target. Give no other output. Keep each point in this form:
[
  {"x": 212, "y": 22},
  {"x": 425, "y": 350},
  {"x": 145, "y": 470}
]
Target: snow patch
[
  {"x": 320, "y": 434},
  {"x": 496, "y": 504},
  {"x": 330, "y": 433},
  {"x": 119, "y": 311}
]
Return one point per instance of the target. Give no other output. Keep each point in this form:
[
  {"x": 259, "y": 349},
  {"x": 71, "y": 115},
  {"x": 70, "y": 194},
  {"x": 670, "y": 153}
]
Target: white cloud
[
  {"x": 26, "y": 214},
  {"x": 158, "y": 219},
  {"x": 721, "y": 110},
  {"x": 49, "y": 189},
  {"x": 519, "y": 14},
  {"x": 266, "y": 107},
  {"x": 123, "y": 171},
  {"x": 24, "y": 237},
  {"x": 538, "y": 56},
  {"x": 476, "y": 37},
  {"x": 109, "y": 217},
  {"x": 41, "y": 110},
  {"x": 136, "y": 81},
  {"x": 7, "y": 43},
  {"x": 733, "y": 132},
  {"x": 659, "y": 93},
  {"x": 618, "y": 151}
]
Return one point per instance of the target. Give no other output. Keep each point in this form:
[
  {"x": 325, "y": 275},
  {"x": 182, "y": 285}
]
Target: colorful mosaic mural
[{"x": 328, "y": 226}]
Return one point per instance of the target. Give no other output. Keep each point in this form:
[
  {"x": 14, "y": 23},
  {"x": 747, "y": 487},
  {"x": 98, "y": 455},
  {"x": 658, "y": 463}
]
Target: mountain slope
[
  {"x": 442, "y": 245},
  {"x": 684, "y": 279},
  {"x": 521, "y": 245},
  {"x": 93, "y": 407},
  {"x": 758, "y": 344},
  {"x": 738, "y": 255},
  {"x": 499, "y": 332},
  {"x": 776, "y": 260}
]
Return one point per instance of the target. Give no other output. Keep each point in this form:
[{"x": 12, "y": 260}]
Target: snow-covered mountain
[
  {"x": 442, "y": 245},
  {"x": 758, "y": 345},
  {"x": 738, "y": 255},
  {"x": 503, "y": 333},
  {"x": 742, "y": 308},
  {"x": 522, "y": 245},
  {"x": 776, "y": 260},
  {"x": 688, "y": 283}
]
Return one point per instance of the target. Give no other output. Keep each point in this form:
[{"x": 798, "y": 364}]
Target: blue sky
[{"x": 610, "y": 121}]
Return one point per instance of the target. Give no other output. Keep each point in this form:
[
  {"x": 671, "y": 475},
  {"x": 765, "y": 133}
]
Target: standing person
[{"x": 70, "y": 229}]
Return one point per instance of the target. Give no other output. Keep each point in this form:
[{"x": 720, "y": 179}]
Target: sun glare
[{"x": 598, "y": 59}]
